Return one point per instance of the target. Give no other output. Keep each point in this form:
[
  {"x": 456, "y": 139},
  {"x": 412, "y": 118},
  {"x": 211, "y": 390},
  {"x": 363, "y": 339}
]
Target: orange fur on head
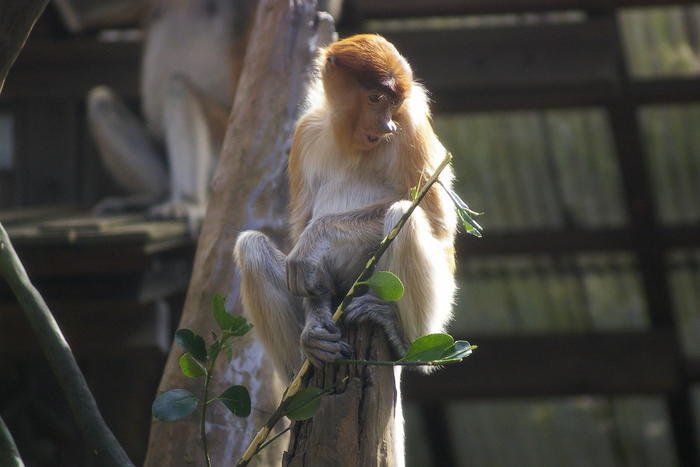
[
  {"x": 361, "y": 62},
  {"x": 373, "y": 61}
]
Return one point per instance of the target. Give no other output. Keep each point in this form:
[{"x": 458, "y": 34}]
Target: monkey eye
[{"x": 374, "y": 98}]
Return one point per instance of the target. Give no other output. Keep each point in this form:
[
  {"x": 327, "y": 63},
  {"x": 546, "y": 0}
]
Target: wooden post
[
  {"x": 357, "y": 425},
  {"x": 249, "y": 191}
]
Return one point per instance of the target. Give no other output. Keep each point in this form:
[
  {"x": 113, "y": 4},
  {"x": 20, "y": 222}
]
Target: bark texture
[
  {"x": 355, "y": 426},
  {"x": 249, "y": 191}
]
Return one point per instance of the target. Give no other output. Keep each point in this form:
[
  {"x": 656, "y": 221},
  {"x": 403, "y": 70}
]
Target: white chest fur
[{"x": 342, "y": 182}]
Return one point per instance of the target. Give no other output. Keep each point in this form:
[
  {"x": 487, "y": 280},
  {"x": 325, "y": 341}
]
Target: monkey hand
[
  {"x": 320, "y": 341},
  {"x": 368, "y": 308},
  {"x": 306, "y": 274}
]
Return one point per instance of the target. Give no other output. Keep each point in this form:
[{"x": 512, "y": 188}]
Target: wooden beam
[
  {"x": 74, "y": 66},
  {"x": 555, "y": 365},
  {"x": 571, "y": 241},
  {"x": 523, "y": 59},
  {"x": 665, "y": 90},
  {"x": 104, "y": 328},
  {"x": 543, "y": 242},
  {"x": 372, "y": 9},
  {"x": 653, "y": 3},
  {"x": 165, "y": 279},
  {"x": 69, "y": 68}
]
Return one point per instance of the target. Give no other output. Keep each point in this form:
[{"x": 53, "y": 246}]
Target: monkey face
[{"x": 375, "y": 121}]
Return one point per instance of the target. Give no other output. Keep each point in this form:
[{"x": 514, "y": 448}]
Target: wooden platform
[
  {"x": 101, "y": 276},
  {"x": 116, "y": 285}
]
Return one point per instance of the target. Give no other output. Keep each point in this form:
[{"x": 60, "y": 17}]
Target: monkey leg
[
  {"x": 421, "y": 262},
  {"x": 277, "y": 315},
  {"x": 127, "y": 152},
  {"x": 191, "y": 146}
]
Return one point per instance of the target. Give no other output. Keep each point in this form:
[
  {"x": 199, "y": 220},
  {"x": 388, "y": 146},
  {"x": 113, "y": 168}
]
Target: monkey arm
[
  {"x": 338, "y": 245},
  {"x": 333, "y": 248}
]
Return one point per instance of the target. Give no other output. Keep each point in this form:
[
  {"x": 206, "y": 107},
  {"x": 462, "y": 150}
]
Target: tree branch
[
  {"x": 16, "y": 21},
  {"x": 9, "y": 455},
  {"x": 60, "y": 357}
]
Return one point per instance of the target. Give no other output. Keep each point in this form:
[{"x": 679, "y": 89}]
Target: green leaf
[
  {"x": 304, "y": 404},
  {"x": 386, "y": 285},
  {"x": 242, "y": 326},
  {"x": 174, "y": 405},
  {"x": 190, "y": 367},
  {"x": 229, "y": 352},
  {"x": 458, "y": 351},
  {"x": 470, "y": 225},
  {"x": 234, "y": 325},
  {"x": 223, "y": 319},
  {"x": 192, "y": 343},
  {"x": 218, "y": 303},
  {"x": 428, "y": 348},
  {"x": 237, "y": 399}
]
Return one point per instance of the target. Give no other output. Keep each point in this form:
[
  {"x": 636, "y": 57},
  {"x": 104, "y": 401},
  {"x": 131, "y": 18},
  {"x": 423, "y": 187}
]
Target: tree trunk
[
  {"x": 355, "y": 426},
  {"x": 249, "y": 191}
]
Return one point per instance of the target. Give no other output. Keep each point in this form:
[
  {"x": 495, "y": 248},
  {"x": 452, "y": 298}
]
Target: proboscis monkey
[
  {"x": 191, "y": 62},
  {"x": 363, "y": 143}
]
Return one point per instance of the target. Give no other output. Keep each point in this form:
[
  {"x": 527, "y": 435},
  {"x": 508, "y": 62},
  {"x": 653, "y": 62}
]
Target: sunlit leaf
[
  {"x": 428, "y": 348},
  {"x": 470, "y": 225},
  {"x": 304, "y": 404},
  {"x": 190, "y": 367},
  {"x": 386, "y": 285},
  {"x": 458, "y": 351},
  {"x": 192, "y": 343},
  {"x": 237, "y": 399},
  {"x": 174, "y": 405}
]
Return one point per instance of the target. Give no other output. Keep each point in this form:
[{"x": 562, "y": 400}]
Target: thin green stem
[
  {"x": 202, "y": 420},
  {"x": 272, "y": 440},
  {"x": 205, "y": 395}
]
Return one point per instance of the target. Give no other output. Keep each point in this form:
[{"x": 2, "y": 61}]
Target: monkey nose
[{"x": 387, "y": 126}]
